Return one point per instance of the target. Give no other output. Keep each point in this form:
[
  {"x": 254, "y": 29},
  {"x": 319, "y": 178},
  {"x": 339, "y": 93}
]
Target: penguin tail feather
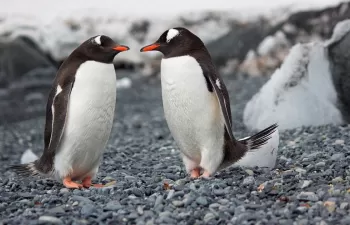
[
  {"x": 25, "y": 170},
  {"x": 259, "y": 139}
]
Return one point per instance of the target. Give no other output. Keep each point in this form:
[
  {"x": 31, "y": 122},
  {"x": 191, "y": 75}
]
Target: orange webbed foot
[
  {"x": 206, "y": 175},
  {"x": 195, "y": 173},
  {"x": 87, "y": 183},
  {"x": 68, "y": 183}
]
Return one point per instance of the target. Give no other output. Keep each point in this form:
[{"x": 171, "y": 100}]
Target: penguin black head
[
  {"x": 100, "y": 48},
  {"x": 177, "y": 41}
]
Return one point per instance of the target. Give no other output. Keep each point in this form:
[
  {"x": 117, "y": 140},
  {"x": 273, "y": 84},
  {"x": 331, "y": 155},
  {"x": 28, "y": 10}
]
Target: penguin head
[
  {"x": 176, "y": 41},
  {"x": 101, "y": 48}
]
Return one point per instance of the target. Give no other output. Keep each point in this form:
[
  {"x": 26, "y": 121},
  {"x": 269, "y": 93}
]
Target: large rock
[
  {"x": 238, "y": 42},
  {"x": 26, "y": 75},
  {"x": 339, "y": 55},
  {"x": 300, "y": 93},
  {"x": 260, "y": 46},
  {"x": 22, "y": 62}
]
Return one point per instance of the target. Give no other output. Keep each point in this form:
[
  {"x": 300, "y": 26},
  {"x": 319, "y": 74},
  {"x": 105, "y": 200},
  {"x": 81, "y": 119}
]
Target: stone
[
  {"x": 49, "y": 219},
  {"x": 307, "y": 196}
]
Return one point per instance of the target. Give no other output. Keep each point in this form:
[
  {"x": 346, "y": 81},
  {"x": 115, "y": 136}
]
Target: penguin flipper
[
  {"x": 224, "y": 101},
  {"x": 59, "y": 116}
]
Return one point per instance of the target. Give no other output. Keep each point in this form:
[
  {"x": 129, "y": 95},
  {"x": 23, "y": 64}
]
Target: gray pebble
[
  {"x": 87, "y": 209},
  {"x": 307, "y": 196},
  {"x": 49, "y": 219},
  {"x": 202, "y": 201},
  {"x": 208, "y": 217},
  {"x": 178, "y": 203},
  {"x": 248, "y": 180},
  {"x": 113, "y": 206},
  {"x": 338, "y": 156}
]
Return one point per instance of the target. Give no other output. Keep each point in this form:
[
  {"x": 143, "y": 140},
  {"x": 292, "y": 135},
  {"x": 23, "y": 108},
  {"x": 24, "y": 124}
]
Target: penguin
[
  {"x": 79, "y": 115},
  {"x": 197, "y": 106}
]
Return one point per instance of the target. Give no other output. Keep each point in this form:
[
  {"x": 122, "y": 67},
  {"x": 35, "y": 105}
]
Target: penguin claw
[{"x": 68, "y": 183}]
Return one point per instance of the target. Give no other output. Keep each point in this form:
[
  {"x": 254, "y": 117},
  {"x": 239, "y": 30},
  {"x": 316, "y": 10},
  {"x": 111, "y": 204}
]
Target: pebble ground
[{"x": 148, "y": 183}]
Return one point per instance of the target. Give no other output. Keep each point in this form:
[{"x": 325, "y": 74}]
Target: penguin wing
[
  {"x": 56, "y": 119},
  {"x": 217, "y": 85}
]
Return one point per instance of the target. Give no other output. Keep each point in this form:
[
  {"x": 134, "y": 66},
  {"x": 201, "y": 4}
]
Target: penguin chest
[
  {"x": 192, "y": 112},
  {"x": 89, "y": 119}
]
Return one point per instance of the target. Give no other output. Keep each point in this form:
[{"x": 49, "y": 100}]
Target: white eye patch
[
  {"x": 98, "y": 40},
  {"x": 171, "y": 34}
]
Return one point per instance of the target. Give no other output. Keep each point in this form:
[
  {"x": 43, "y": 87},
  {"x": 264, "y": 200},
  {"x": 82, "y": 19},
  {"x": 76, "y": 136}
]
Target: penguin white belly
[
  {"x": 192, "y": 112},
  {"x": 89, "y": 121}
]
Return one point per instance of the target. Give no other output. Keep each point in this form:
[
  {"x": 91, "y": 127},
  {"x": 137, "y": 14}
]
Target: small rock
[
  {"x": 302, "y": 209},
  {"x": 208, "y": 217},
  {"x": 337, "y": 180},
  {"x": 140, "y": 210},
  {"x": 306, "y": 183},
  {"x": 87, "y": 209},
  {"x": 239, "y": 210},
  {"x": 170, "y": 194},
  {"x": 338, "y": 142},
  {"x": 320, "y": 164},
  {"x": 56, "y": 210},
  {"x": 202, "y": 201},
  {"x": 300, "y": 170},
  {"x": 248, "y": 180},
  {"x": 64, "y": 190},
  {"x": 81, "y": 199},
  {"x": 249, "y": 172},
  {"x": 49, "y": 219},
  {"x": 113, "y": 206},
  {"x": 337, "y": 156},
  {"x": 307, "y": 196},
  {"x": 214, "y": 205},
  {"x": 344, "y": 205},
  {"x": 178, "y": 203},
  {"x": 159, "y": 200},
  {"x": 219, "y": 192}
]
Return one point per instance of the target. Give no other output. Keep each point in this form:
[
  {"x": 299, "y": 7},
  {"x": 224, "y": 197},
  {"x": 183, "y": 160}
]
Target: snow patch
[
  {"x": 339, "y": 31},
  {"x": 28, "y": 156},
  {"x": 270, "y": 43},
  {"x": 293, "y": 97},
  {"x": 264, "y": 157},
  {"x": 123, "y": 83}
]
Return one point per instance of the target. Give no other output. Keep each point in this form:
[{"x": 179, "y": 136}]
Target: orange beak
[
  {"x": 150, "y": 47},
  {"x": 121, "y": 48}
]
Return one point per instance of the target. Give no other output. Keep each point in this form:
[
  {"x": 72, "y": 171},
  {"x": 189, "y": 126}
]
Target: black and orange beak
[
  {"x": 121, "y": 48},
  {"x": 151, "y": 47}
]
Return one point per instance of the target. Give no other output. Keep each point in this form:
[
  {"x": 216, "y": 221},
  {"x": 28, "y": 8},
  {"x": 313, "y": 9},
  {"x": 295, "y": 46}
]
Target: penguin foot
[
  {"x": 205, "y": 175},
  {"x": 195, "y": 173},
  {"x": 68, "y": 183},
  {"x": 87, "y": 183}
]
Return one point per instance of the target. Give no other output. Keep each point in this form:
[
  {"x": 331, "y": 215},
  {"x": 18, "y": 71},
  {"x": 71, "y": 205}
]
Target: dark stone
[{"x": 339, "y": 56}]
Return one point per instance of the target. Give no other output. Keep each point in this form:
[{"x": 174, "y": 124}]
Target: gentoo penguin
[
  {"x": 197, "y": 105},
  {"x": 79, "y": 115}
]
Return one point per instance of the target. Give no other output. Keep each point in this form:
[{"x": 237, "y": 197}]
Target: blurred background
[{"x": 248, "y": 38}]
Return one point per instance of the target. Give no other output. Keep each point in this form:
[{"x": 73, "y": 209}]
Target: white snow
[
  {"x": 124, "y": 83},
  {"x": 293, "y": 97},
  {"x": 60, "y": 26},
  {"x": 340, "y": 30},
  {"x": 264, "y": 157},
  {"x": 28, "y": 156},
  {"x": 271, "y": 43}
]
